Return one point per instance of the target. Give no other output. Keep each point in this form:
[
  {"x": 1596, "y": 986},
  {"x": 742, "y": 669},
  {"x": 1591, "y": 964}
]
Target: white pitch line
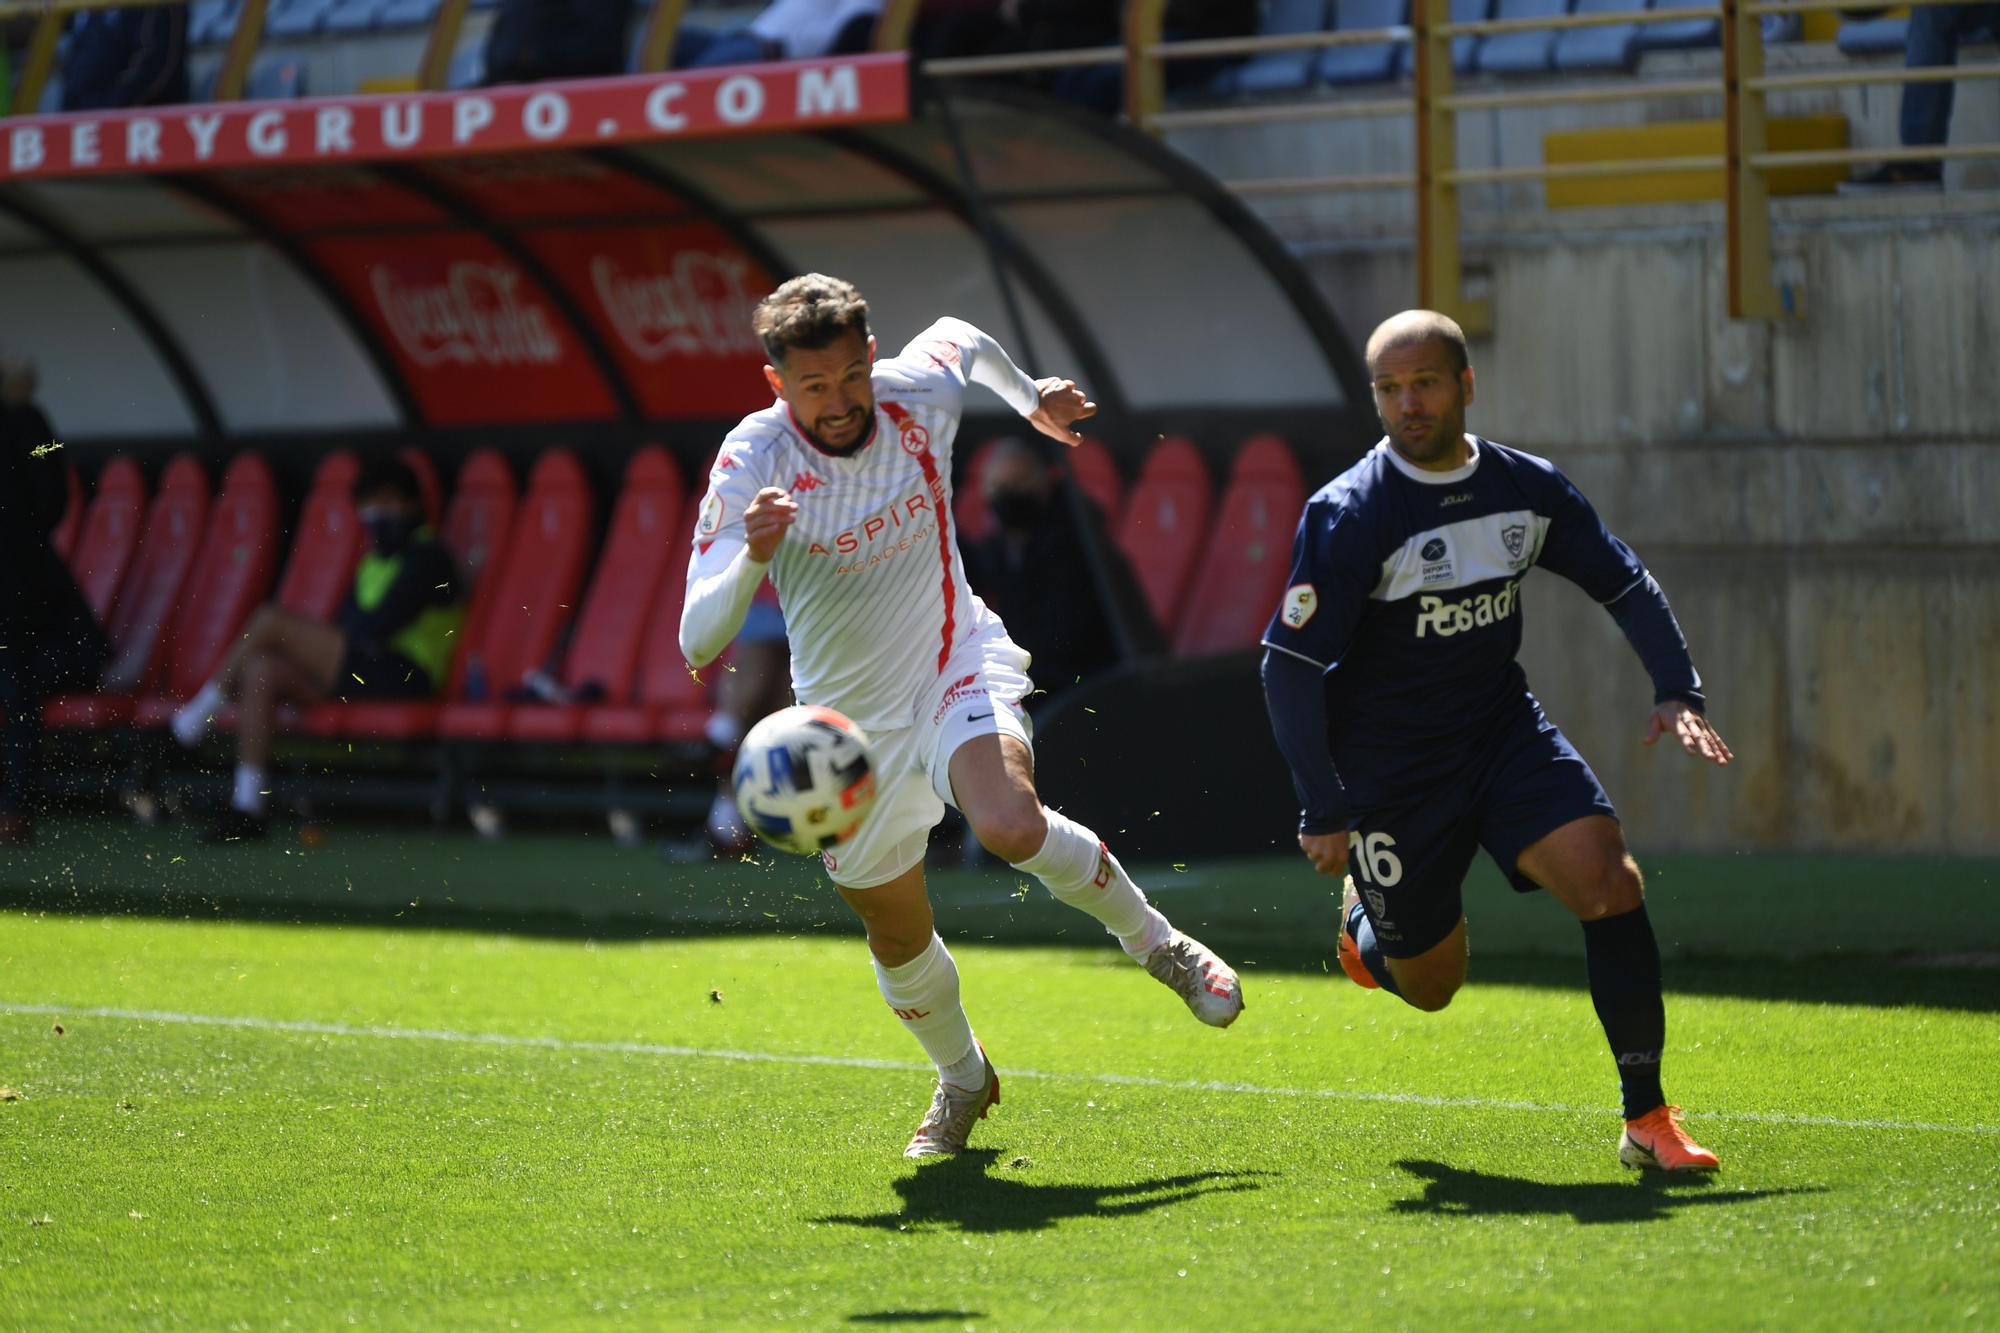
[{"x": 314, "y": 1028}]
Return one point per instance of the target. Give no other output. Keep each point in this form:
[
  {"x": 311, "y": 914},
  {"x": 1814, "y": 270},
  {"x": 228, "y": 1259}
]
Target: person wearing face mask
[
  {"x": 391, "y": 639},
  {"x": 1031, "y": 569}
]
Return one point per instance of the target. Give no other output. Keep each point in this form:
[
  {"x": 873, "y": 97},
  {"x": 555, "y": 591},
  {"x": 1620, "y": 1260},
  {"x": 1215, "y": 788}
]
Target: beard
[
  {"x": 854, "y": 446},
  {"x": 1434, "y": 446}
]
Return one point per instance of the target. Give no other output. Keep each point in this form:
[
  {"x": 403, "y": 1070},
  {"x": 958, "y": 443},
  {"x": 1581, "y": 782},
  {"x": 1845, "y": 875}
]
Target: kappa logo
[
  {"x": 1515, "y": 538},
  {"x": 1301, "y": 601},
  {"x": 806, "y": 481}
]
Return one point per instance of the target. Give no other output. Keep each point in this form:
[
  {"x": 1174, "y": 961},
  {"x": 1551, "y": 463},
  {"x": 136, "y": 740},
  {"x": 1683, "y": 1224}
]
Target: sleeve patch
[
  {"x": 1299, "y": 604},
  {"x": 711, "y": 513}
]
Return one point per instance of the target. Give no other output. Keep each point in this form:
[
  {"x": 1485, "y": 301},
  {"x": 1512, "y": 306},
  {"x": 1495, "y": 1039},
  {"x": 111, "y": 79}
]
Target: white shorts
[{"x": 978, "y": 693}]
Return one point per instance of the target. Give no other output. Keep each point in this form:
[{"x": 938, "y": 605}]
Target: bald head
[{"x": 1415, "y": 328}]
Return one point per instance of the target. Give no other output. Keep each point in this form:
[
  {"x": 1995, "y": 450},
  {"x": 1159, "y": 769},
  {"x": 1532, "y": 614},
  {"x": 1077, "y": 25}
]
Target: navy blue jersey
[{"x": 1406, "y": 592}]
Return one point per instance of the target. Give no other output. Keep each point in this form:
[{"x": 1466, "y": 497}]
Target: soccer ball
[{"x": 805, "y": 779}]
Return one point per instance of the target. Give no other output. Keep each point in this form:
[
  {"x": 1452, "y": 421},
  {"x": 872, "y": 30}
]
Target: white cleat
[
  {"x": 1193, "y": 971},
  {"x": 948, "y": 1124}
]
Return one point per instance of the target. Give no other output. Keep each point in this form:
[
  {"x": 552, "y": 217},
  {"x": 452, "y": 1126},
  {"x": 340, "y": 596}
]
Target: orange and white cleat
[
  {"x": 1350, "y": 957},
  {"x": 1657, "y": 1140}
]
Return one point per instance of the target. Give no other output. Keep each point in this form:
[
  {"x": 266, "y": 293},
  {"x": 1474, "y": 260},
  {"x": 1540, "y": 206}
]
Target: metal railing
[{"x": 1435, "y": 175}]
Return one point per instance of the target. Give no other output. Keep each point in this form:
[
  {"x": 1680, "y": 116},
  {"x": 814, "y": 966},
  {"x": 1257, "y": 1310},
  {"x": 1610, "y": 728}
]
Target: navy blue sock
[
  {"x": 1623, "y": 959},
  {"x": 1362, "y": 932}
]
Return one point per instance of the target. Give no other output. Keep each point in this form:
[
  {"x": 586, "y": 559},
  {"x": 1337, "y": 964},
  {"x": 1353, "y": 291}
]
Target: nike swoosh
[{"x": 974, "y": 717}]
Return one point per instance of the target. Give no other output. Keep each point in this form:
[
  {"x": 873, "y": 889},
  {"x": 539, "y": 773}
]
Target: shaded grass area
[{"x": 607, "y": 1154}]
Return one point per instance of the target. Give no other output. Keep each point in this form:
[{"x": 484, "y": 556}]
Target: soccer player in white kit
[{"x": 841, "y": 492}]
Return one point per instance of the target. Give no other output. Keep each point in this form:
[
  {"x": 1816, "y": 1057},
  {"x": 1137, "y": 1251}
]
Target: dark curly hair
[{"x": 810, "y": 311}]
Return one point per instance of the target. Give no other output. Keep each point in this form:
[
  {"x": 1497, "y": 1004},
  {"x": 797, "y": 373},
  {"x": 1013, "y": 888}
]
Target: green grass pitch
[{"x": 261, "y": 1124}]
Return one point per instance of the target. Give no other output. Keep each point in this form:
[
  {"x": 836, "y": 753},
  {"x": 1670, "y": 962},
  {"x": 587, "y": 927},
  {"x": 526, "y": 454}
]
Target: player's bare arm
[
  {"x": 1063, "y": 405},
  {"x": 765, "y": 520},
  {"x": 1326, "y": 851},
  {"x": 1695, "y": 733}
]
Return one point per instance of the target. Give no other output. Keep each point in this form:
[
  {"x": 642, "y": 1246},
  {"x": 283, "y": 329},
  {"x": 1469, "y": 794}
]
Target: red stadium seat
[
  {"x": 638, "y": 553},
  {"x": 63, "y": 539},
  {"x": 968, "y": 506},
  {"x": 420, "y": 463},
  {"x": 670, "y": 702},
  {"x": 1165, "y": 526},
  {"x": 533, "y": 592},
  {"x": 1249, "y": 552},
  {"x": 476, "y": 524},
  {"x": 1096, "y": 471},
  {"x": 174, "y": 524},
  {"x": 326, "y": 544},
  {"x": 230, "y": 579},
  {"x": 112, "y": 523}
]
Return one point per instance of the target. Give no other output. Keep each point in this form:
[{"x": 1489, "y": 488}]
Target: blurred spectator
[
  {"x": 785, "y": 30},
  {"x": 1931, "y": 39},
  {"x": 754, "y": 682},
  {"x": 1056, "y": 25},
  {"x": 392, "y": 639},
  {"x": 949, "y": 28},
  {"x": 1033, "y": 570},
  {"x": 532, "y": 40},
  {"x": 48, "y": 638},
  {"x": 126, "y": 57}
]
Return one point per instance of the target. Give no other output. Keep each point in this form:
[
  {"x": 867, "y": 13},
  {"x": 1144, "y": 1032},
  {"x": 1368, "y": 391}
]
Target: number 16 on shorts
[{"x": 1371, "y": 858}]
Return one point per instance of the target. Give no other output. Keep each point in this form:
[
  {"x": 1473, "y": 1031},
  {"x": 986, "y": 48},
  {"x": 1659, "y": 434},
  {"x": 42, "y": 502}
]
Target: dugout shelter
[{"x": 571, "y": 266}]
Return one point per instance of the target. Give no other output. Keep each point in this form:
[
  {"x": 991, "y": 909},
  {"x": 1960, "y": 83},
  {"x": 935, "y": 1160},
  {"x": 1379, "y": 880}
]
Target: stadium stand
[
  {"x": 1873, "y": 36},
  {"x": 530, "y": 601},
  {"x": 1680, "y": 35},
  {"x": 1465, "y": 50},
  {"x": 1165, "y": 526},
  {"x": 476, "y": 526},
  {"x": 63, "y": 538},
  {"x": 671, "y": 701},
  {"x": 326, "y": 544},
  {"x": 112, "y": 525},
  {"x": 639, "y": 554},
  {"x": 145, "y": 604},
  {"x": 420, "y": 463},
  {"x": 1277, "y": 71},
  {"x": 1615, "y": 46},
  {"x": 1375, "y": 62},
  {"x": 1248, "y": 552},
  {"x": 1096, "y": 471},
  {"x": 231, "y": 577},
  {"x": 1522, "y": 52}
]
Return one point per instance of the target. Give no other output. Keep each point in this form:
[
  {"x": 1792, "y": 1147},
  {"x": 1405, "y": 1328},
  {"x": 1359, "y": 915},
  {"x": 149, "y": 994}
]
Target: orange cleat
[
  {"x": 1350, "y": 957},
  {"x": 1657, "y": 1140}
]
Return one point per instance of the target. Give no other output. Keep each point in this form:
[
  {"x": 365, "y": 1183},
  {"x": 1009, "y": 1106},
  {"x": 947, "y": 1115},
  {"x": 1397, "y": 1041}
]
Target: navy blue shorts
[{"x": 1409, "y": 858}]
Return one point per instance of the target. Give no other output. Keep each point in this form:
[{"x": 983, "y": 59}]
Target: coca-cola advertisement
[
  {"x": 478, "y": 341},
  {"x": 673, "y": 305}
]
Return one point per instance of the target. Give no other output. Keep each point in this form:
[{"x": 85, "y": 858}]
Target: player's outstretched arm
[
  {"x": 1695, "y": 733},
  {"x": 723, "y": 578}
]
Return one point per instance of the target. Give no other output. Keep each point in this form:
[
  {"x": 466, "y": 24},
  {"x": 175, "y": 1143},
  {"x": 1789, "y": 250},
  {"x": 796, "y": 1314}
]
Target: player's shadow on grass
[
  {"x": 960, "y": 1192},
  {"x": 1452, "y": 1190}
]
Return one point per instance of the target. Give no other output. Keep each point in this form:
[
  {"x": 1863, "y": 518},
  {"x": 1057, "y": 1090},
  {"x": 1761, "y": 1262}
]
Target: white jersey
[{"x": 870, "y": 577}]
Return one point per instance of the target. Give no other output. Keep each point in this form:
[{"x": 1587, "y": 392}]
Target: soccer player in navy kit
[{"x": 1413, "y": 741}]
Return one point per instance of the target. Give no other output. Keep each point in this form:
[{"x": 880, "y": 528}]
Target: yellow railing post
[
  {"x": 1752, "y": 294},
  {"x": 243, "y": 44},
  {"x": 656, "y": 43},
  {"x": 434, "y": 70},
  {"x": 898, "y": 21},
  {"x": 1145, "y": 72},
  {"x": 39, "y": 63},
  {"x": 1440, "y": 275}
]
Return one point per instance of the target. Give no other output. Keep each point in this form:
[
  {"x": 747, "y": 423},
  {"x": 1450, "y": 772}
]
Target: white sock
[
  {"x": 924, "y": 994},
  {"x": 1081, "y": 871},
  {"x": 191, "y": 721},
  {"x": 249, "y": 795}
]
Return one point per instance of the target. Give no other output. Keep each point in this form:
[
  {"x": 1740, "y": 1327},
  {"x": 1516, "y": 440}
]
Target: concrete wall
[{"x": 1821, "y": 500}]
